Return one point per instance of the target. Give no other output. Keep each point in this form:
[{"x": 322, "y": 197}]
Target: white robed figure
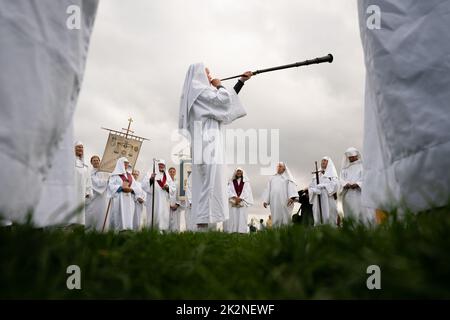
[
  {"x": 188, "y": 216},
  {"x": 163, "y": 188},
  {"x": 327, "y": 189},
  {"x": 83, "y": 184},
  {"x": 204, "y": 108},
  {"x": 96, "y": 206},
  {"x": 120, "y": 189},
  {"x": 351, "y": 181},
  {"x": 175, "y": 203},
  {"x": 140, "y": 196},
  {"x": 280, "y": 194},
  {"x": 240, "y": 198}
]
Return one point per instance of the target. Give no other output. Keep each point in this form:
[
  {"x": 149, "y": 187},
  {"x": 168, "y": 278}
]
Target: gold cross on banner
[{"x": 130, "y": 120}]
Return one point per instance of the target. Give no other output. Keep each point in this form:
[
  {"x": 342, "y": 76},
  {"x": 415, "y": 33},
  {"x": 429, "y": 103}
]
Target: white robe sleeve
[
  {"x": 99, "y": 182},
  {"x": 143, "y": 194},
  {"x": 113, "y": 186},
  {"x": 292, "y": 190},
  {"x": 221, "y": 105},
  {"x": 173, "y": 193},
  {"x": 218, "y": 98},
  {"x": 230, "y": 190},
  {"x": 188, "y": 190},
  {"x": 266, "y": 193},
  {"x": 311, "y": 190},
  {"x": 145, "y": 185},
  {"x": 138, "y": 192},
  {"x": 332, "y": 186},
  {"x": 343, "y": 180},
  {"x": 359, "y": 180},
  {"x": 88, "y": 182},
  {"x": 247, "y": 194}
]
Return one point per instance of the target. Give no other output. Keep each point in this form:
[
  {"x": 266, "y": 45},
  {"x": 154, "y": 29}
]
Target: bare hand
[
  {"x": 290, "y": 202},
  {"x": 153, "y": 176},
  {"x": 246, "y": 76},
  {"x": 140, "y": 200},
  {"x": 216, "y": 83},
  {"x": 265, "y": 205}
]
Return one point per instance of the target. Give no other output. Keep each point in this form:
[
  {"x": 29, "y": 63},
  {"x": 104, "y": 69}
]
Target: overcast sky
[{"x": 140, "y": 51}]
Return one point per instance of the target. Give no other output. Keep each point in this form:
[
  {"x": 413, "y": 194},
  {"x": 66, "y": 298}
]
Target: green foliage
[{"x": 288, "y": 263}]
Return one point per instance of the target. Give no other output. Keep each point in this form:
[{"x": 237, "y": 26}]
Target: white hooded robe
[
  {"x": 122, "y": 204},
  {"x": 175, "y": 215},
  {"x": 279, "y": 190},
  {"x": 352, "y": 173},
  {"x": 83, "y": 189},
  {"x": 238, "y": 220},
  {"x": 96, "y": 206},
  {"x": 139, "y": 193},
  {"x": 203, "y": 112},
  {"x": 162, "y": 199},
  {"x": 327, "y": 189}
]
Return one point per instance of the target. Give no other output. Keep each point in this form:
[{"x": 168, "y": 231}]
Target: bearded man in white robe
[
  {"x": 163, "y": 188},
  {"x": 188, "y": 216},
  {"x": 83, "y": 184},
  {"x": 97, "y": 204},
  {"x": 206, "y": 106},
  {"x": 351, "y": 181},
  {"x": 280, "y": 194},
  {"x": 240, "y": 198},
  {"x": 140, "y": 196},
  {"x": 327, "y": 189},
  {"x": 121, "y": 187},
  {"x": 175, "y": 203}
]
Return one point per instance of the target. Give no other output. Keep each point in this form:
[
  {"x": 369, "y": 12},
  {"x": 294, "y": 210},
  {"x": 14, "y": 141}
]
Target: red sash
[
  {"x": 238, "y": 187},
  {"x": 162, "y": 182},
  {"x": 127, "y": 178}
]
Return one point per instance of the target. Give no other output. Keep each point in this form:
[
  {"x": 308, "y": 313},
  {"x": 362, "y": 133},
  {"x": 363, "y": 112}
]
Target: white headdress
[
  {"x": 330, "y": 171},
  {"x": 158, "y": 174},
  {"x": 79, "y": 160},
  {"x": 195, "y": 83},
  {"x": 287, "y": 173},
  {"x": 350, "y": 152},
  {"x": 244, "y": 175},
  {"x": 120, "y": 167}
]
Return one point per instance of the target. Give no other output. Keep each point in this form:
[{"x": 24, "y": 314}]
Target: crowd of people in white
[
  {"x": 406, "y": 140},
  {"x": 122, "y": 201}
]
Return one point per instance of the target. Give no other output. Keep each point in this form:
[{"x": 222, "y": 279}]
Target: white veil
[
  {"x": 195, "y": 83},
  {"x": 350, "y": 152},
  {"x": 330, "y": 171}
]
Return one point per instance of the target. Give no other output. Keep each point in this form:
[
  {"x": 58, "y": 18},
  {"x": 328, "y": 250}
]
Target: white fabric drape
[
  {"x": 406, "y": 126},
  {"x": 42, "y": 64}
]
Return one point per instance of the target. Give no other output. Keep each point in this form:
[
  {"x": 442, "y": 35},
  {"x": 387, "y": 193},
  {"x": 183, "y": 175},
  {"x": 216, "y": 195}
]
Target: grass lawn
[{"x": 288, "y": 263}]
